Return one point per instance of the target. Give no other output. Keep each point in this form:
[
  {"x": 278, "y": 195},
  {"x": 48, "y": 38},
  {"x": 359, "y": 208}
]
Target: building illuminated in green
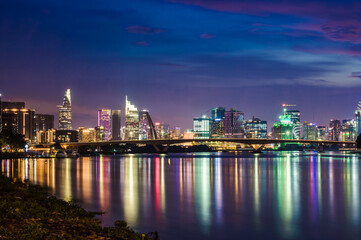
[{"x": 283, "y": 128}]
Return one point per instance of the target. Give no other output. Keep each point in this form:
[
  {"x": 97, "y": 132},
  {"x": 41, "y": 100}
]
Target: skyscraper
[
  {"x": 283, "y": 128},
  {"x": 256, "y": 128},
  {"x": 65, "y": 118},
  {"x": 104, "y": 120},
  {"x": 309, "y": 131},
  {"x": 234, "y": 124},
  {"x": 201, "y": 127},
  {"x": 295, "y": 117},
  {"x": 358, "y": 119},
  {"x": 218, "y": 113},
  {"x": 16, "y": 118},
  {"x": 143, "y": 125},
  {"x": 217, "y": 123},
  {"x": 335, "y": 130},
  {"x": 131, "y": 130},
  {"x": 116, "y": 124},
  {"x": 43, "y": 122}
]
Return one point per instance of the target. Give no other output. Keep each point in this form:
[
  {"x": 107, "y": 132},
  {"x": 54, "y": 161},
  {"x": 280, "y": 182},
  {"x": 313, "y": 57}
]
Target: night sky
[{"x": 179, "y": 58}]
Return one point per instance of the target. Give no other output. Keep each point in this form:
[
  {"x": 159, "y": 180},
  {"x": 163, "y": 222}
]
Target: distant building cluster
[{"x": 138, "y": 125}]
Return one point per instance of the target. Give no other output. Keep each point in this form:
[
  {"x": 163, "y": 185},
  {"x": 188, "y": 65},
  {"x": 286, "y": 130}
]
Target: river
[{"x": 275, "y": 195}]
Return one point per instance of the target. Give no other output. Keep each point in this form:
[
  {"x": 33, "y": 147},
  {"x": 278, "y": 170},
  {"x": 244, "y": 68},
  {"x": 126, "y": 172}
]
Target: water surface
[{"x": 211, "y": 196}]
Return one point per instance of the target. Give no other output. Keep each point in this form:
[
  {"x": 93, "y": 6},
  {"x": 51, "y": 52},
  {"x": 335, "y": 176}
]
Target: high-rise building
[
  {"x": 283, "y": 128},
  {"x": 131, "y": 130},
  {"x": 163, "y": 130},
  {"x": 309, "y": 131},
  {"x": 295, "y": 117},
  {"x": 234, "y": 124},
  {"x": 176, "y": 133},
  {"x": 348, "y": 130},
  {"x": 218, "y": 113},
  {"x": 322, "y": 133},
  {"x": 358, "y": 119},
  {"x": 87, "y": 134},
  {"x": 116, "y": 124},
  {"x": 216, "y": 129},
  {"x": 143, "y": 125},
  {"x": 63, "y": 136},
  {"x": 335, "y": 130},
  {"x": 105, "y": 121},
  {"x": 201, "y": 127},
  {"x": 65, "y": 115},
  {"x": 256, "y": 128},
  {"x": 99, "y": 134},
  {"x": 43, "y": 122},
  {"x": 16, "y": 118},
  {"x": 1, "y": 125}
]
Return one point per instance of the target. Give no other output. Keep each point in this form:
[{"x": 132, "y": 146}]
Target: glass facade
[
  {"x": 105, "y": 121},
  {"x": 201, "y": 127},
  {"x": 256, "y": 128},
  {"x": 131, "y": 130}
]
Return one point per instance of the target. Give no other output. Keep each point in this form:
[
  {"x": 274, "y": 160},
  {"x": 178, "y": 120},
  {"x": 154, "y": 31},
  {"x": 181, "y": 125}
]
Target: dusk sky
[{"x": 180, "y": 58}]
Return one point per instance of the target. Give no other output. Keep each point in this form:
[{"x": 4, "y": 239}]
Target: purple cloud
[
  {"x": 355, "y": 75},
  {"x": 207, "y": 36},
  {"x": 144, "y": 30}
]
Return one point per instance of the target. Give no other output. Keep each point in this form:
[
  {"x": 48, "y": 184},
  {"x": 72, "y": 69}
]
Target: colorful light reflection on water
[{"x": 211, "y": 196}]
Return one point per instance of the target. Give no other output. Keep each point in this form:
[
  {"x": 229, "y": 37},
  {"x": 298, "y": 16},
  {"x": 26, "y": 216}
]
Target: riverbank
[{"x": 27, "y": 212}]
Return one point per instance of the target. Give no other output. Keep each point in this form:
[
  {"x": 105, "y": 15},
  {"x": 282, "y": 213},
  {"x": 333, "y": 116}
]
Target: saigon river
[{"x": 276, "y": 195}]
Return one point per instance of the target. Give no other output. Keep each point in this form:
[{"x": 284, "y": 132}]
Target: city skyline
[{"x": 253, "y": 57}]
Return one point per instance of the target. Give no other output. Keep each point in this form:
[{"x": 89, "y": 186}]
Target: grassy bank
[{"x": 27, "y": 212}]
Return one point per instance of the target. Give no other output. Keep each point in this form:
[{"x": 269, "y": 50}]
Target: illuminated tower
[
  {"x": 104, "y": 120},
  {"x": 358, "y": 119},
  {"x": 234, "y": 124},
  {"x": 295, "y": 119},
  {"x": 201, "y": 127},
  {"x": 131, "y": 130},
  {"x": 65, "y": 119}
]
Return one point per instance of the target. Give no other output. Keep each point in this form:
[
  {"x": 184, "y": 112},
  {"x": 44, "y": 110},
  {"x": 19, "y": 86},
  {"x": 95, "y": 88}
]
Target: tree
[{"x": 12, "y": 139}]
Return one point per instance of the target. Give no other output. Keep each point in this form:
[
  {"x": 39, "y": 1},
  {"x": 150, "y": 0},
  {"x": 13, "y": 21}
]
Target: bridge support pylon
[
  {"x": 161, "y": 148},
  {"x": 257, "y": 148}
]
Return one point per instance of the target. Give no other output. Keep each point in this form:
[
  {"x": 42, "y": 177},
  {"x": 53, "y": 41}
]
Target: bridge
[{"x": 162, "y": 145}]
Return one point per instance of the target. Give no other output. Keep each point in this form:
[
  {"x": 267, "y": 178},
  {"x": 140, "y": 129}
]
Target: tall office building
[
  {"x": 358, "y": 119},
  {"x": 217, "y": 123},
  {"x": 322, "y": 133},
  {"x": 201, "y": 127},
  {"x": 16, "y": 118},
  {"x": 218, "y": 113},
  {"x": 163, "y": 130},
  {"x": 309, "y": 131},
  {"x": 131, "y": 130},
  {"x": 348, "y": 130},
  {"x": 143, "y": 125},
  {"x": 65, "y": 118},
  {"x": 256, "y": 128},
  {"x": 335, "y": 130},
  {"x": 283, "y": 128},
  {"x": 116, "y": 124},
  {"x": 295, "y": 117},
  {"x": 1, "y": 125},
  {"x": 43, "y": 122},
  {"x": 234, "y": 124},
  {"x": 105, "y": 120}
]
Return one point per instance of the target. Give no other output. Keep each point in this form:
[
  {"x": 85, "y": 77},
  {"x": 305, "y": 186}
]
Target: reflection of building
[
  {"x": 335, "y": 130},
  {"x": 233, "y": 124},
  {"x": 105, "y": 120},
  {"x": 358, "y": 119},
  {"x": 131, "y": 130},
  {"x": 201, "y": 127},
  {"x": 348, "y": 130},
  {"x": 87, "y": 134},
  {"x": 16, "y": 118},
  {"x": 256, "y": 128},
  {"x": 63, "y": 136},
  {"x": 116, "y": 124},
  {"x": 65, "y": 118},
  {"x": 309, "y": 131}
]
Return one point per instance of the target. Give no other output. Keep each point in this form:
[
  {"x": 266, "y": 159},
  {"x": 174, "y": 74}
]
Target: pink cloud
[
  {"x": 207, "y": 36},
  {"x": 144, "y": 30}
]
